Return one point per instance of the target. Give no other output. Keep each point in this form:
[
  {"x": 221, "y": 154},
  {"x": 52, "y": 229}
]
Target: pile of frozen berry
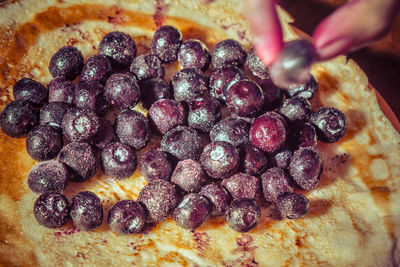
[{"x": 265, "y": 148}]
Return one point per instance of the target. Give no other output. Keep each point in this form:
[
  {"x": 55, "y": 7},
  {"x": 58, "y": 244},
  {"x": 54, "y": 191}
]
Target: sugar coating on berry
[
  {"x": 126, "y": 217},
  {"x": 118, "y": 160},
  {"x": 154, "y": 164},
  {"x": 255, "y": 65},
  {"x": 153, "y": 90},
  {"x": 189, "y": 175},
  {"x": 194, "y": 53},
  {"x": 30, "y": 90},
  {"x": 275, "y": 182},
  {"x": 243, "y": 215},
  {"x": 166, "y": 114},
  {"x": 44, "y": 142},
  {"x": 188, "y": 84},
  {"x": 80, "y": 124},
  {"x": 166, "y": 43},
  {"x": 204, "y": 112},
  {"x": 86, "y": 211},
  {"x": 90, "y": 95},
  {"x": 119, "y": 47},
  {"x": 48, "y": 176},
  {"x": 132, "y": 128},
  {"x": 242, "y": 185},
  {"x": 228, "y": 52},
  {"x": 293, "y": 205},
  {"x": 254, "y": 162},
  {"x": 67, "y": 62},
  {"x": 51, "y": 210},
  {"x": 306, "y": 90},
  {"x": 231, "y": 130},
  {"x": 97, "y": 68},
  {"x": 105, "y": 136},
  {"x": 61, "y": 90},
  {"x": 122, "y": 91},
  {"x": 295, "y": 109},
  {"x": 147, "y": 66},
  {"x": 182, "y": 143},
  {"x": 244, "y": 98},
  {"x": 281, "y": 158},
  {"x": 222, "y": 78},
  {"x": 305, "y": 167},
  {"x": 218, "y": 198},
  {"x": 192, "y": 211},
  {"x": 330, "y": 124},
  {"x": 18, "y": 118},
  {"x": 53, "y": 113}
]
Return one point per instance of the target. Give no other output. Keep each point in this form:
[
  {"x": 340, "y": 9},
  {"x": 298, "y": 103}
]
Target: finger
[
  {"x": 354, "y": 25},
  {"x": 265, "y": 27}
]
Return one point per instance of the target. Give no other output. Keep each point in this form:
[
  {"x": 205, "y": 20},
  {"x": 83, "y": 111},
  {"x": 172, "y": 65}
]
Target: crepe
[{"x": 353, "y": 220}]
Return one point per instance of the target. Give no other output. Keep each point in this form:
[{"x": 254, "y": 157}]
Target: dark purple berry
[
  {"x": 18, "y": 118},
  {"x": 273, "y": 95},
  {"x": 292, "y": 205},
  {"x": 159, "y": 197},
  {"x": 231, "y": 130},
  {"x": 217, "y": 196},
  {"x": 90, "y": 95},
  {"x": 122, "y": 91},
  {"x": 48, "y": 176},
  {"x": 243, "y": 215},
  {"x": 228, "y": 52},
  {"x": 30, "y": 90},
  {"x": 242, "y": 185},
  {"x": 53, "y": 113},
  {"x": 80, "y": 124},
  {"x": 166, "y": 114},
  {"x": 153, "y": 90},
  {"x": 61, "y": 90},
  {"x": 147, "y": 66},
  {"x": 132, "y": 128},
  {"x": 268, "y": 132},
  {"x": 330, "y": 124},
  {"x": 188, "y": 84},
  {"x": 192, "y": 211},
  {"x": 96, "y": 69},
  {"x": 306, "y": 167},
  {"x": 86, "y": 211},
  {"x": 67, "y": 62},
  {"x": 295, "y": 109},
  {"x": 118, "y": 160},
  {"x": 80, "y": 160},
  {"x": 44, "y": 142},
  {"x": 222, "y": 78},
  {"x": 254, "y": 160},
  {"x": 306, "y": 90},
  {"x": 244, "y": 98},
  {"x": 166, "y": 43},
  {"x": 275, "y": 182},
  {"x": 119, "y": 47},
  {"x": 194, "y": 54},
  {"x": 220, "y": 159},
  {"x": 51, "y": 210},
  {"x": 126, "y": 217},
  {"x": 182, "y": 143},
  {"x": 302, "y": 135},
  {"x": 189, "y": 175},
  {"x": 204, "y": 112},
  {"x": 281, "y": 158},
  {"x": 255, "y": 65},
  {"x": 154, "y": 164},
  {"x": 105, "y": 135}
]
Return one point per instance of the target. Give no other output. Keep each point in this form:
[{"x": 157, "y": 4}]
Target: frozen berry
[
  {"x": 220, "y": 159},
  {"x": 273, "y": 95},
  {"x": 244, "y": 98},
  {"x": 86, "y": 211},
  {"x": 218, "y": 198},
  {"x": 166, "y": 43},
  {"x": 189, "y": 175},
  {"x": 188, "y": 84},
  {"x": 275, "y": 182},
  {"x": 67, "y": 62},
  {"x": 241, "y": 185},
  {"x": 18, "y": 118},
  {"x": 30, "y": 90},
  {"x": 126, "y": 217},
  {"x": 80, "y": 124},
  {"x": 119, "y": 47},
  {"x": 122, "y": 91},
  {"x": 105, "y": 136},
  {"x": 51, "y": 210},
  {"x": 80, "y": 160},
  {"x": 132, "y": 128},
  {"x": 147, "y": 66},
  {"x": 154, "y": 164},
  {"x": 204, "y": 112},
  {"x": 243, "y": 215},
  {"x": 281, "y": 158},
  {"x": 192, "y": 211},
  {"x": 295, "y": 109},
  {"x": 159, "y": 198},
  {"x": 97, "y": 69},
  {"x": 306, "y": 90},
  {"x": 254, "y": 160},
  {"x": 330, "y": 124},
  {"x": 48, "y": 176},
  {"x": 268, "y": 132},
  {"x": 166, "y": 114},
  {"x": 231, "y": 130},
  {"x": 228, "y": 52},
  {"x": 306, "y": 167},
  {"x": 292, "y": 205},
  {"x": 61, "y": 90},
  {"x": 182, "y": 142},
  {"x": 90, "y": 95},
  {"x": 194, "y": 54},
  {"x": 302, "y": 135},
  {"x": 222, "y": 78},
  {"x": 154, "y": 89},
  {"x": 118, "y": 160},
  {"x": 44, "y": 142},
  {"x": 53, "y": 113},
  {"x": 255, "y": 65}
]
